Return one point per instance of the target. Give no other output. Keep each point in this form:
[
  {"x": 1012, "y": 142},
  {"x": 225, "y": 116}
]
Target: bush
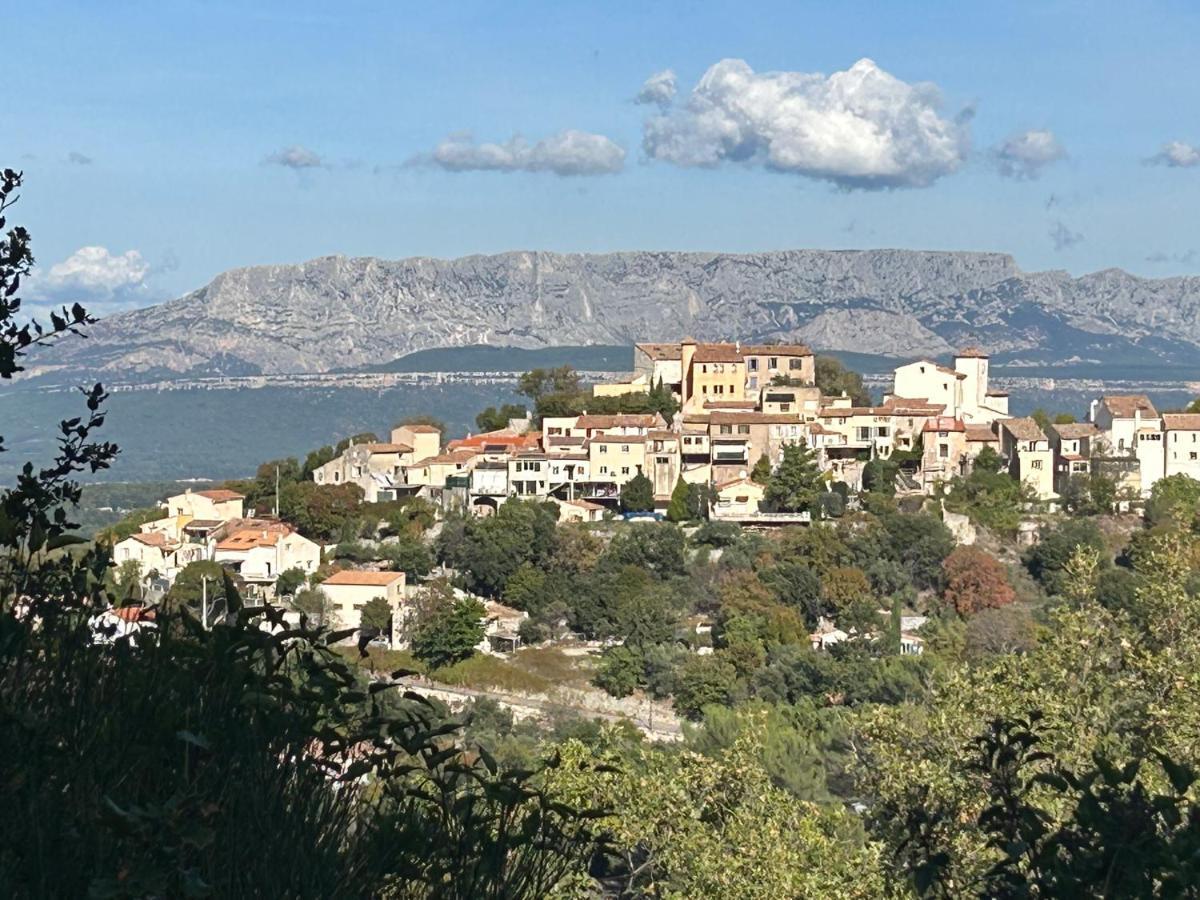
[{"x": 975, "y": 581}]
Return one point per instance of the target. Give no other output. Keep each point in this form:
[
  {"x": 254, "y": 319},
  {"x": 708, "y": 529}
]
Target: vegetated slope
[{"x": 338, "y": 313}]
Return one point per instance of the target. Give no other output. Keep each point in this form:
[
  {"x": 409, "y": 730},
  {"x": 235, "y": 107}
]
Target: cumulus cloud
[
  {"x": 658, "y": 89},
  {"x": 1177, "y": 155},
  {"x": 861, "y": 128},
  {"x": 101, "y": 281},
  {"x": 569, "y": 152},
  {"x": 1063, "y": 237},
  {"x": 76, "y": 158},
  {"x": 294, "y": 157},
  {"x": 1025, "y": 154}
]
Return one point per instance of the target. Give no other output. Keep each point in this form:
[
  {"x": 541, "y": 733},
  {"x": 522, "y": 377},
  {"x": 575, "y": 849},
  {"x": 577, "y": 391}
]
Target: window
[
  {"x": 743, "y": 429},
  {"x": 883, "y": 431},
  {"x": 795, "y": 364},
  {"x": 785, "y": 407},
  {"x": 624, "y": 448},
  {"x": 604, "y": 470},
  {"x": 726, "y": 429},
  {"x": 753, "y": 382},
  {"x": 1192, "y": 456},
  {"x": 664, "y": 460},
  {"x": 753, "y": 364},
  {"x": 624, "y": 470},
  {"x": 943, "y": 451},
  {"x": 1036, "y": 464},
  {"x": 773, "y": 362},
  {"x": 604, "y": 448},
  {"x": 731, "y": 389}
]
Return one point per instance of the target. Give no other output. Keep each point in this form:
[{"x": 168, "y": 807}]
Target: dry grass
[
  {"x": 382, "y": 660},
  {"x": 484, "y": 671},
  {"x": 556, "y": 667}
]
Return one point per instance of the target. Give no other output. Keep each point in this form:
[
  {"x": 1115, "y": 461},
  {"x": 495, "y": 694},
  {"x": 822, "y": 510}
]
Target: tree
[
  {"x": 975, "y": 581},
  {"x": 128, "y": 580},
  {"x": 702, "y": 681},
  {"x": 377, "y": 616},
  {"x": 1175, "y": 498},
  {"x": 315, "y": 604},
  {"x": 998, "y": 630},
  {"x": 443, "y": 627},
  {"x": 797, "y": 484},
  {"x": 679, "y": 509},
  {"x": 637, "y": 494},
  {"x": 879, "y": 476},
  {"x": 199, "y": 583},
  {"x": 842, "y": 589},
  {"x": 321, "y": 512},
  {"x": 761, "y": 473},
  {"x": 834, "y": 379},
  {"x": 538, "y": 383},
  {"x": 290, "y": 581},
  {"x": 408, "y": 554},
  {"x": 620, "y": 671},
  {"x": 1047, "y": 559},
  {"x": 495, "y": 419}
]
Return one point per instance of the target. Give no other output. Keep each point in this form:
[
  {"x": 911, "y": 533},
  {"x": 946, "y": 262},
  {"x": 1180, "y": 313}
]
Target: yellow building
[{"x": 711, "y": 372}]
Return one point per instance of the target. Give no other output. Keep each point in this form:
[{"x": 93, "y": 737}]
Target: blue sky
[{"x": 165, "y": 142}]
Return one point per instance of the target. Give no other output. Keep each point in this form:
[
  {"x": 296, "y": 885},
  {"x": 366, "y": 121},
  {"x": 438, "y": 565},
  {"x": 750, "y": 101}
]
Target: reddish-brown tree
[{"x": 975, "y": 580}]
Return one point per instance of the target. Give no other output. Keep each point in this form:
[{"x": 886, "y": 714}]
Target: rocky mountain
[{"x": 337, "y": 313}]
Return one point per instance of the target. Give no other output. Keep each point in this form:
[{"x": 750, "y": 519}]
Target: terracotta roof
[
  {"x": 387, "y": 448},
  {"x": 844, "y": 412},
  {"x": 1123, "y": 406},
  {"x": 366, "y": 579},
  {"x": 1023, "y": 429},
  {"x": 220, "y": 495},
  {"x": 1181, "y": 421},
  {"x": 152, "y": 539},
  {"x": 582, "y": 504},
  {"x": 971, "y": 353},
  {"x": 1074, "y": 430},
  {"x": 996, "y": 393},
  {"x": 419, "y": 429},
  {"x": 776, "y": 350},
  {"x": 894, "y": 402},
  {"x": 661, "y": 351},
  {"x": 730, "y": 404},
  {"x": 753, "y": 418},
  {"x": 558, "y": 440},
  {"x": 717, "y": 353},
  {"x": 133, "y": 613},
  {"x": 981, "y": 433},
  {"x": 202, "y": 524},
  {"x": 945, "y": 423},
  {"x": 617, "y": 439},
  {"x": 619, "y": 420},
  {"x": 249, "y": 538},
  {"x": 503, "y": 437}
]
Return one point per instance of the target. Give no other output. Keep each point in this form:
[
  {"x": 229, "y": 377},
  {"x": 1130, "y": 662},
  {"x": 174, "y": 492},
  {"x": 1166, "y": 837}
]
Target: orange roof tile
[{"x": 366, "y": 579}]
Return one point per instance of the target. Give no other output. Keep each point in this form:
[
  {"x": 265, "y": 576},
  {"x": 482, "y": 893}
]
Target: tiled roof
[
  {"x": 1023, "y": 429},
  {"x": 1181, "y": 421},
  {"x": 387, "y": 448},
  {"x": 981, "y": 433},
  {"x": 1074, "y": 430},
  {"x": 249, "y": 538},
  {"x": 1123, "y": 406},
  {"x": 220, "y": 495},
  {"x": 419, "y": 429},
  {"x": 369, "y": 579},
  {"x": 717, "y": 353},
  {"x": 661, "y": 351},
  {"x": 753, "y": 418},
  {"x": 971, "y": 353},
  {"x": 619, "y": 420},
  {"x": 945, "y": 423},
  {"x": 775, "y": 350},
  {"x": 152, "y": 539},
  {"x": 730, "y": 404}
]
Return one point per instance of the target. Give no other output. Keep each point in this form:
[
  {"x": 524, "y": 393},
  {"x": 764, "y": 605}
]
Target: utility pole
[
  {"x": 204, "y": 602},
  {"x": 277, "y": 492}
]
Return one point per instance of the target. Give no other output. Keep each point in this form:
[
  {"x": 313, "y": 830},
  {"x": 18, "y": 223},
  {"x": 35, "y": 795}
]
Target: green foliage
[
  {"x": 290, "y": 581},
  {"x": 834, "y": 379},
  {"x": 538, "y": 383},
  {"x": 1047, "y": 559},
  {"x": 1175, "y": 498},
  {"x": 879, "y": 476},
  {"x": 796, "y": 485},
  {"x": 487, "y": 551},
  {"x": 321, "y": 512},
  {"x": 704, "y": 681},
  {"x": 127, "y": 580},
  {"x": 679, "y": 509},
  {"x": 316, "y": 605},
  {"x": 990, "y": 497},
  {"x": 444, "y": 629},
  {"x": 761, "y": 473},
  {"x": 129, "y": 524},
  {"x": 637, "y": 494},
  {"x": 496, "y": 419},
  {"x": 620, "y": 671},
  {"x": 377, "y": 615},
  {"x": 1089, "y": 495},
  {"x": 197, "y": 581},
  {"x": 407, "y": 553},
  {"x": 658, "y": 548}
]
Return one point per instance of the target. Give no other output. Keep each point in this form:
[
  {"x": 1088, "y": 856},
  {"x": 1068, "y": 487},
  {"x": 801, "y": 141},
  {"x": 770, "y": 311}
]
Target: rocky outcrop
[{"x": 338, "y": 312}]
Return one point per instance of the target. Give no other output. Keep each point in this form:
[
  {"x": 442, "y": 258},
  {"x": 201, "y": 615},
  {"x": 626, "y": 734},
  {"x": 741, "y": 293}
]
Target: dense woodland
[{"x": 1043, "y": 745}]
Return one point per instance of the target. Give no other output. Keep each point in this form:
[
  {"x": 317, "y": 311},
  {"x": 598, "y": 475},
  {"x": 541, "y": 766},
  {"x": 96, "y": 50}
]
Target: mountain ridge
[{"x": 338, "y": 312}]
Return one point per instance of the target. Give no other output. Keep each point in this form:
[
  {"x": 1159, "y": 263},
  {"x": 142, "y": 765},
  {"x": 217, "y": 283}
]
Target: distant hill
[
  {"x": 510, "y": 359},
  {"x": 345, "y": 313}
]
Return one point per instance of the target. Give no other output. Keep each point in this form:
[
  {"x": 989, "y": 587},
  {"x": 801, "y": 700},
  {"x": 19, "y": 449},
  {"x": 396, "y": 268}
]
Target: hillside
[{"x": 338, "y": 313}]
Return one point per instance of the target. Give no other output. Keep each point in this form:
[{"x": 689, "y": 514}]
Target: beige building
[
  {"x": 1073, "y": 444},
  {"x": 711, "y": 372},
  {"x": 349, "y": 591},
  {"x": 766, "y": 362},
  {"x": 1131, "y": 427},
  {"x": 1029, "y": 456},
  {"x": 579, "y": 511},
  {"x": 630, "y": 384},
  {"x": 156, "y": 552},
  {"x": 425, "y": 440},
  {"x": 214, "y": 505},
  {"x": 659, "y": 362},
  {"x": 1181, "y": 444},
  {"x": 260, "y": 551},
  {"x": 378, "y": 469},
  {"x": 963, "y": 390},
  {"x": 616, "y": 458},
  {"x": 737, "y": 498}
]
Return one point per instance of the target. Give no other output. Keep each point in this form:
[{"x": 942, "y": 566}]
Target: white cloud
[
  {"x": 1025, "y": 154},
  {"x": 1177, "y": 155},
  {"x": 658, "y": 89},
  {"x": 76, "y": 158},
  {"x": 861, "y": 128},
  {"x": 294, "y": 157},
  {"x": 569, "y": 152},
  {"x": 101, "y": 281},
  {"x": 1063, "y": 237}
]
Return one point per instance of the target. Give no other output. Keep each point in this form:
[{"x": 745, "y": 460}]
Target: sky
[{"x": 165, "y": 142}]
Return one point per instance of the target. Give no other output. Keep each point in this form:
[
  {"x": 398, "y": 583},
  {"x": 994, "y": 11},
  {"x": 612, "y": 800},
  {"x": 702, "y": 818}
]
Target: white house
[
  {"x": 260, "y": 551},
  {"x": 350, "y": 590}
]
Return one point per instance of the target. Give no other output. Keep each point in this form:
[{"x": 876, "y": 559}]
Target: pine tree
[
  {"x": 637, "y": 494},
  {"x": 761, "y": 473},
  {"x": 796, "y": 485},
  {"x": 679, "y": 509}
]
